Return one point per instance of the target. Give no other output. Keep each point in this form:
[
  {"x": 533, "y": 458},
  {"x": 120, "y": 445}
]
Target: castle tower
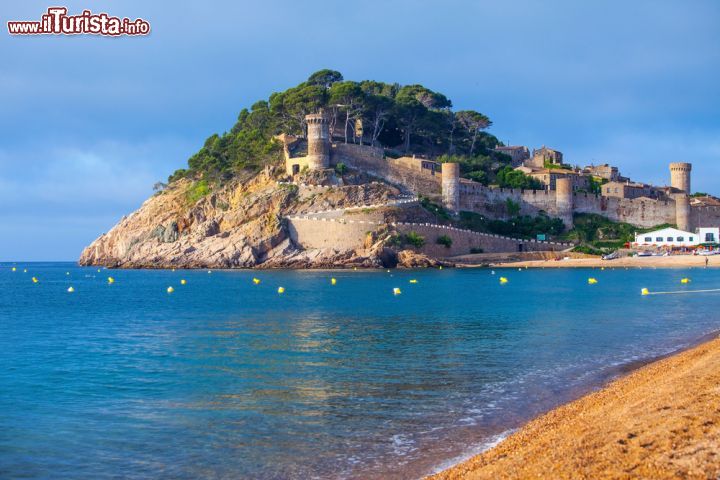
[
  {"x": 680, "y": 176},
  {"x": 682, "y": 213},
  {"x": 564, "y": 200},
  {"x": 318, "y": 138},
  {"x": 451, "y": 186}
]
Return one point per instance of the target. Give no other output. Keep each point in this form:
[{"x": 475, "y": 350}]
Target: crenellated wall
[
  {"x": 705, "y": 216},
  {"x": 493, "y": 201},
  {"x": 642, "y": 212},
  {"x": 344, "y": 234},
  {"x": 371, "y": 160}
]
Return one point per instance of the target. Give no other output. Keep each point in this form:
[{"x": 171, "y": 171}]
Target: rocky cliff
[{"x": 240, "y": 225}]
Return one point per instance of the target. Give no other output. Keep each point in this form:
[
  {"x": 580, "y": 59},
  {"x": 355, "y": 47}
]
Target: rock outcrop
[{"x": 239, "y": 225}]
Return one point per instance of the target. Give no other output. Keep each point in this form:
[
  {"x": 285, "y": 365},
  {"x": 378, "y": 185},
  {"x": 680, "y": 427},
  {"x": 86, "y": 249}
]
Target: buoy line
[{"x": 646, "y": 292}]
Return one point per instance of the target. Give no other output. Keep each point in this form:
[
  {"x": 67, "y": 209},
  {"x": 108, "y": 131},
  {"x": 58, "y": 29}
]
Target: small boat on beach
[{"x": 611, "y": 256}]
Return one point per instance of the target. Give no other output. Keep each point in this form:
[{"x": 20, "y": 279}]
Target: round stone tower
[
  {"x": 682, "y": 213},
  {"x": 564, "y": 200},
  {"x": 680, "y": 176},
  {"x": 451, "y": 186},
  {"x": 318, "y": 140}
]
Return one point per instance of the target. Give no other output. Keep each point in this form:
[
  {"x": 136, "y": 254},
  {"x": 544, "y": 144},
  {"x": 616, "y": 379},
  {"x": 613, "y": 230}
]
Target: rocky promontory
[{"x": 241, "y": 224}]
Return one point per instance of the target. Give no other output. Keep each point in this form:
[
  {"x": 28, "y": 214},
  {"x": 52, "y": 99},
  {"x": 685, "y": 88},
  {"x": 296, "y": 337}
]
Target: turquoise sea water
[{"x": 226, "y": 379}]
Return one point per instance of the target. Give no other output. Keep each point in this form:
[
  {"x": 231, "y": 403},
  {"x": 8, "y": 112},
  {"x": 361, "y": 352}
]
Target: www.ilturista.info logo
[{"x": 57, "y": 22}]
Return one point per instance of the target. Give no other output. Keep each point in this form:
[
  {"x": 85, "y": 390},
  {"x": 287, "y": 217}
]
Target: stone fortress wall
[
  {"x": 312, "y": 232},
  {"x": 457, "y": 194},
  {"x": 396, "y": 171}
]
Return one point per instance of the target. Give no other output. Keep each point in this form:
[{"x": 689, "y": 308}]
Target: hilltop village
[{"x": 290, "y": 189}]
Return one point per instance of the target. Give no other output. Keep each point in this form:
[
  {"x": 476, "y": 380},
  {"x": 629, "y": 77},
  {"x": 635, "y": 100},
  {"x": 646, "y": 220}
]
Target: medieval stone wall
[
  {"x": 705, "y": 216},
  {"x": 493, "y": 202},
  {"x": 372, "y": 161},
  {"x": 344, "y": 234}
]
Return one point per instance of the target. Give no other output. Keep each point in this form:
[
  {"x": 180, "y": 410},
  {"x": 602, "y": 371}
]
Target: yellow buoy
[
  {"x": 644, "y": 291},
  {"x": 503, "y": 280},
  {"x": 170, "y": 289},
  {"x": 592, "y": 281},
  {"x": 35, "y": 280},
  {"x": 183, "y": 281},
  {"x": 388, "y": 271},
  {"x": 354, "y": 268},
  {"x": 602, "y": 268},
  {"x": 281, "y": 289},
  {"x": 70, "y": 289},
  {"x": 440, "y": 267},
  {"x": 173, "y": 269},
  {"x": 333, "y": 281},
  {"x": 685, "y": 280},
  {"x": 396, "y": 291},
  {"x": 14, "y": 269},
  {"x": 98, "y": 270},
  {"x": 111, "y": 280},
  {"x": 413, "y": 281},
  {"x": 256, "y": 281}
]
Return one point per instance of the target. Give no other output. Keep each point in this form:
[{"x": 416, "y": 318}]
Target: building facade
[
  {"x": 518, "y": 154},
  {"x": 630, "y": 190},
  {"x": 667, "y": 237},
  {"x": 543, "y": 156}
]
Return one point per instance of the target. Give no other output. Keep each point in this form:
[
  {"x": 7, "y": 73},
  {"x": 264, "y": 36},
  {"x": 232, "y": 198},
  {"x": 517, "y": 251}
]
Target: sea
[{"x": 225, "y": 377}]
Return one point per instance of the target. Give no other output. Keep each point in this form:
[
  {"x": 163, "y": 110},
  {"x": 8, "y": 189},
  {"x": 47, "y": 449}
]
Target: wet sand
[
  {"x": 675, "y": 261},
  {"x": 661, "y": 421}
]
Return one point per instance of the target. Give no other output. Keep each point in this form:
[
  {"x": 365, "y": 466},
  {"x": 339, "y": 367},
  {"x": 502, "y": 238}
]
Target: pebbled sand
[
  {"x": 660, "y": 422},
  {"x": 674, "y": 261}
]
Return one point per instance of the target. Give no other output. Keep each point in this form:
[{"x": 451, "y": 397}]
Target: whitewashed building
[
  {"x": 667, "y": 237},
  {"x": 708, "y": 234}
]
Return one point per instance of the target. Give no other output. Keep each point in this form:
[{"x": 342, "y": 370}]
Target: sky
[{"x": 88, "y": 124}]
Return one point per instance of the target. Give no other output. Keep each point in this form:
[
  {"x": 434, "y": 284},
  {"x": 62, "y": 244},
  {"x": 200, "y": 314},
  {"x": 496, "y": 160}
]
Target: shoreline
[
  {"x": 673, "y": 261},
  {"x": 621, "y": 429}
]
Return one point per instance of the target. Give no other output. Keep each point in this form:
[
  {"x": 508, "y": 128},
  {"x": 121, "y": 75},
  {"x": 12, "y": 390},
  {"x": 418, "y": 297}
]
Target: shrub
[
  {"x": 341, "y": 168},
  {"x": 197, "y": 191},
  {"x": 512, "y": 207},
  {"x": 415, "y": 239},
  {"x": 434, "y": 208},
  {"x": 444, "y": 240}
]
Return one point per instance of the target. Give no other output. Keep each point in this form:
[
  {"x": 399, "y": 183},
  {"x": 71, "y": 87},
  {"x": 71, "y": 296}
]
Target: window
[
  {"x": 691, "y": 239},
  {"x": 681, "y": 239},
  {"x": 658, "y": 239},
  {"x": 669, "y": 239},
  {"x": 709, "y": 237},
  {"x": 648, "y": 239}
]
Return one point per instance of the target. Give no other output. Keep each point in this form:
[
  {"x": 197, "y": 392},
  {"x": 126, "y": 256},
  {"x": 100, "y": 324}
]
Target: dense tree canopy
[{"x": 403, "y": 119}]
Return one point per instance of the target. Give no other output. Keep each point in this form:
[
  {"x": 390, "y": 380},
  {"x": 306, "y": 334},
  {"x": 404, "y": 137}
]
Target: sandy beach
[
  {"x": 675, "y": 261},
  {"x": 661, "y": 421}
]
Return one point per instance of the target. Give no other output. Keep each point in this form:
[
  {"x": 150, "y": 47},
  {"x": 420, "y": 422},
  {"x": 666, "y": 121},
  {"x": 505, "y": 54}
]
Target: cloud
[{"x": 56, "y": 199}]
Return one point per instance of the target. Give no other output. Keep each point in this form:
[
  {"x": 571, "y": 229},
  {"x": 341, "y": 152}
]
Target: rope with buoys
[{"x": 645, "y": 291}]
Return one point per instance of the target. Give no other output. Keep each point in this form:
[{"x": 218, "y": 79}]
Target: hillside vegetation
[{"x": 403, "y": 118}]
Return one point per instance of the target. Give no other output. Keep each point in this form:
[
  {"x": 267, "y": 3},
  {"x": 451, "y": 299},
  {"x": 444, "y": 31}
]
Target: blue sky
[{"x": 88, "y": 124}]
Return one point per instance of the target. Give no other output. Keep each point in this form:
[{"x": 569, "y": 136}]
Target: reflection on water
[{"x": 227, "y": 379}]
